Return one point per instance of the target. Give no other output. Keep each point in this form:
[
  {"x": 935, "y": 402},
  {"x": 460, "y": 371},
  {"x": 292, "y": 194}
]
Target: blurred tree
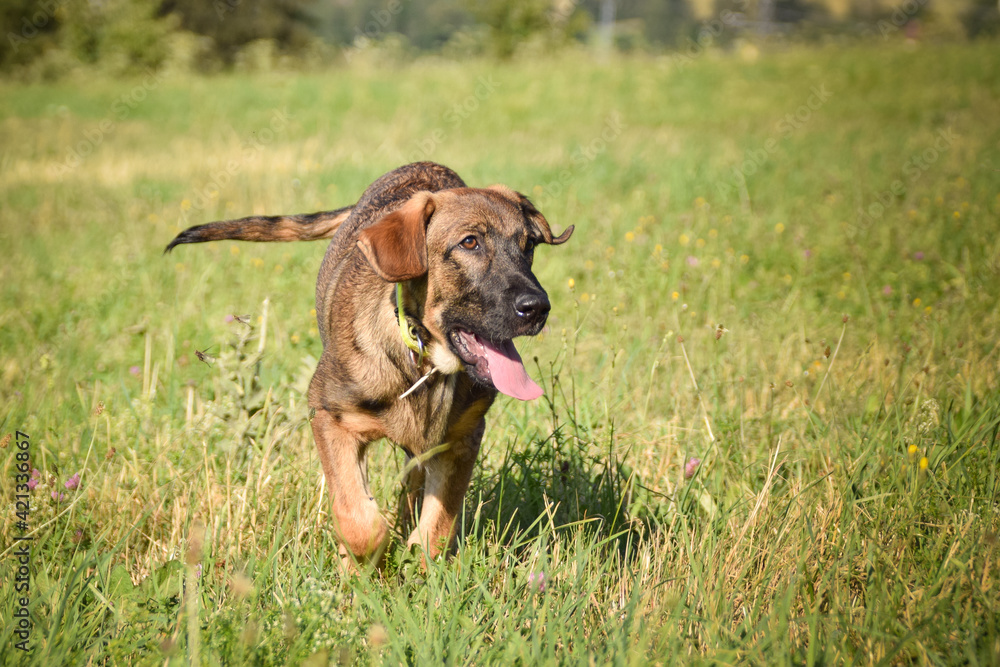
[
  {"x": 982, "y": 19},
  {"x": 29, "y": 28},
  {"x": 232, "y": 24},
  {"x": 511, "y": 23}
]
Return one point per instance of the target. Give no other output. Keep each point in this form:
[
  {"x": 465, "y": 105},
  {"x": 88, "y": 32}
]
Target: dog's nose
[{"x": 533, "y": 307}]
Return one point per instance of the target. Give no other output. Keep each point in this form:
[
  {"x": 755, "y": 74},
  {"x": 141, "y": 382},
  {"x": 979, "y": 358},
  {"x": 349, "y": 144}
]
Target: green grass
[{"x": 809, "y": 534}]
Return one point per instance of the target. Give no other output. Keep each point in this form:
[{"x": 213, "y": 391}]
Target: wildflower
[
  {"x": 675, "y": 295},
  {"x": 712, "y": 233},
  {"x": 58, "y": 496},
  {"x": 657, "y": 249},
  {"x": 73, "y": 482},
  {"x": 691, "y": 467},
  {"x": 78, "y": 536},
  {"x": 295, "y": 338},
  {"x": 234, "y": 250},
  {"x": 229, "y": 318},
  {"x": 699, "y": 202},
  {"x": 135, "y": 370},
  {"x": 744, "y": 259},
  {"x": 779, "y": 228},
  {"x": 847, "y": 276},
  {"x": 35, "y": 476},
  {"x": 924, "y": 463},
  {"x": 807, "y": 253},
  {"x": 692, "y": 260},
  {"x": 684, "y": 239},
  {"x": 571, "y": 283},
  {"x": 630, "y": 236},
  {"x": 186, "y": 205},
  {"x": 886, "y": 290},
  {"x": 916, "y": 302},
  {"x": 716, "y": 263},
  {"x": 537, "y": 581},
  {"x": 700, "y": 243},
  {"x": 918, "y": 255},
  {"x": 912, "y": 451}
]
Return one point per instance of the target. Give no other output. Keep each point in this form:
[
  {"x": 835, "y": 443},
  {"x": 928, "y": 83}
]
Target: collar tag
[{"x": 410, "y": 336}]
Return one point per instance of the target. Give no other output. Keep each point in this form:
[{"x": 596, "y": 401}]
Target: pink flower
[
  {"x": 691, "y": 467},
  {"x": 887, "y": 290},
  {"x": 135, "y": 370},
  {"x": 537, "y": 581},
  {"x": 229, "y": 318},
  {"x": 73, "y": 482},
  {"x": 807, "y": 253},
  {"x": 58, "y": 496},
  {"x": 692, "y": 260},
  {"x": 35, "y": 476},
  {"x": 918, "y": 255}
]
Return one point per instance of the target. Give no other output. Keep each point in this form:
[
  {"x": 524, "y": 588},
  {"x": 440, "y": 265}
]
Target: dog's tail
[{"x": 306, "y": 227}]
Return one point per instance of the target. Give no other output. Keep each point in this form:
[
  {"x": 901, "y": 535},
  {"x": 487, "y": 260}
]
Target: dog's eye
[
  {"x": 529, "y": 245},
  {"x": 470, "y": 243}
]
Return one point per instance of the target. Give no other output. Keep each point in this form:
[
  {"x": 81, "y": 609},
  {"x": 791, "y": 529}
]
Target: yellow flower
[
  {"x": 630, "y": 236},
  {"x": 186, "y": 205},
  {"x": 312, "y": 311},
  {"x": 684, "y": 239},
  {"x": 912, "y": 450},
  {"x": 675, "y": 296},
  {"x": 234, "y": 250},
  {"x": 295, "y": 338},
  {"x": 939, "y": 200},
  {"x": 913, "y": 214},
  {"x": 257, "y": 262},
  {"x": 841, "y": 294},
  {"x": 584, "y": 297},
  {"x": 927, "y": 310},
  {"x": 716, "y": 263},
  {"x": 916, "y": 302},
  {"x": 787, "y": 278},
  {"x": 700, "y": 243},
  {"x": 153, "y": 217},
  {"x": 728, "y": 218},
  {"x": 571, "y": 283},
  {"x": 779, "y": 228},
  {"x": 699, "y": 202},
  {"x": 278, "y": 268},
  {"x": 179, "y": 267},
  {"x": 957, "y": 215},
  {"x": 924, "y": 463},
  {"x": 847, "y": 276},
  {"x": 609, "y": 251},
  {"x": 589, "y": 265},
  {"x": 712, "y": 233},
  {"x": 657, "y": 249},
  {"x": 744, "y": 259}
]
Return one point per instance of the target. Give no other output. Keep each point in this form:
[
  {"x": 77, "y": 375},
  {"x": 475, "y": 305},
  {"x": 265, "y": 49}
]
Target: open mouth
[{"x": 496, "y": 364}]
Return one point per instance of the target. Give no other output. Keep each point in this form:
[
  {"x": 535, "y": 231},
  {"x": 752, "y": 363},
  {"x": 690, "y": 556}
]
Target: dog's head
[{"x": 476, "y": 247}]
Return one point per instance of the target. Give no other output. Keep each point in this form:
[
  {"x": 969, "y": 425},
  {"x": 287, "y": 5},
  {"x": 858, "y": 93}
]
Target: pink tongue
[{"x": 507, "y": 371}]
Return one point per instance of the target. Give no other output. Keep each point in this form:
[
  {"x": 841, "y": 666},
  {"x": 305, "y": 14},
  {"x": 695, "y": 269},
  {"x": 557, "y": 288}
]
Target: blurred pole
[
  {"x": 607, "y": 28},
  {"x": 765, "y": 16}
]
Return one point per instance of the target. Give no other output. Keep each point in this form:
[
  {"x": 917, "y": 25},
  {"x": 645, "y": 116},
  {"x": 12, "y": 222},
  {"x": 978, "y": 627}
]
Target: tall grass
[{"x": 769, "y": 433}]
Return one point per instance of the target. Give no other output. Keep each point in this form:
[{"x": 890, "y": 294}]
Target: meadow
[{"x": 770, "y": 427}]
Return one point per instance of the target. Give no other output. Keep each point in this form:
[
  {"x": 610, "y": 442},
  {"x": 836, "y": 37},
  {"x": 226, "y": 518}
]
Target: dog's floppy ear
[
  {"x": 396, "y": 245},
  {"x": 534, "y": 216}
]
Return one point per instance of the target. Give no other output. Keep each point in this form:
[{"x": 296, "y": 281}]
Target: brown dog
[{"x": 422, "y": 372}]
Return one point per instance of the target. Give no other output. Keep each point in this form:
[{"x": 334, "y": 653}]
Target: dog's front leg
[
  {"x": 359, "y": 526},
  {"x": 446, "y": 480}
]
